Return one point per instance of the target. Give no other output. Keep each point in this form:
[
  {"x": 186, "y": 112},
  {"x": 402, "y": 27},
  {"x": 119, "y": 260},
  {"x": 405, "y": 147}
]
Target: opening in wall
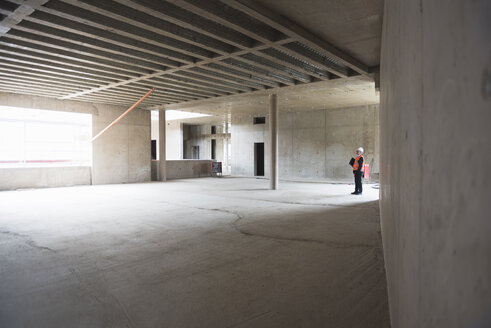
[
  {"x": 35, "y": 137},
  {"x": 154, "y": 149},
  {"x": 259, "y": 120},
  {"x": 259, "y": 159},
  {"x": 213, "y": 149}
]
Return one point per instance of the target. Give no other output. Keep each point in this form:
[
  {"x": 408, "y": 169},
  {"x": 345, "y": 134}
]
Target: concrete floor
[{"x": 192, "y": 253}]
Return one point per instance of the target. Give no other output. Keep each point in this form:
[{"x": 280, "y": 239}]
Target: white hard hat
[{"x": 360, "y": 149}]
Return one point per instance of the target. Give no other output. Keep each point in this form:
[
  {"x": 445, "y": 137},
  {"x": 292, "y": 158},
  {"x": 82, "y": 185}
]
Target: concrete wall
[
  {"x": 121, "y": 155},
  {"x": 183, "y": 169},
  {"x": 200, "y": 135},
  {"x": 42, "y": 177},
  {"x": 188, "y": 168},
  {"x": 435, "y": 124},
  {"x": 173, "y": 138},
  {"x": 244, "y": 135},
  {"x": 313, "y": 145}
]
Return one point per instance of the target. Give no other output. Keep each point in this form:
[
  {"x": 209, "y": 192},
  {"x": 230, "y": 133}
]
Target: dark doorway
[
  {"x": 259, "y": 159},
  {"x": 154, "y": 149},
  {"x": 213, "y": 149}
]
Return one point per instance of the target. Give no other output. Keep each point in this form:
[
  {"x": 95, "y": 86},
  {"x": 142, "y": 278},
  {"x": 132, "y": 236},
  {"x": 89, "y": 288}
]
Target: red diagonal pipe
[{"x": 123, "y": 115}]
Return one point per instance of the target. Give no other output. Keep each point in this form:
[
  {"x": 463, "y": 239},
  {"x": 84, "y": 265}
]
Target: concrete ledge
[
  {"x": 184, "y": 169},
  {"x": 188, "y": 168},
  {"x": 43, "y": 177}
]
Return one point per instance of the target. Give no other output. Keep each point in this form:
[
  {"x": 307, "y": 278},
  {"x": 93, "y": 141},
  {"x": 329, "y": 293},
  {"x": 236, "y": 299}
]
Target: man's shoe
[{"x": 355, "y": 193}]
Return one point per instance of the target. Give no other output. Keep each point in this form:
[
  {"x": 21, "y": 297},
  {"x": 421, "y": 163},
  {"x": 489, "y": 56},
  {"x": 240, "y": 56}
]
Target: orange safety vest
[{"x": 355, "y": 164}]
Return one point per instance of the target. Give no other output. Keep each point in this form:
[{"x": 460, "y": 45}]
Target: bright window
[{"x": 34, "y": 137}]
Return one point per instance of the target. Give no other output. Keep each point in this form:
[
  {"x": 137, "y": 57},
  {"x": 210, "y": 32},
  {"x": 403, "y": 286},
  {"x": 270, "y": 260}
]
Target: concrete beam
[
  {"x": 192, "y": 49},
  {"x": 80, "y": 48},
  {"x": 167, "y": 80},
  {"x": 176, "y": 15},
  {"x": 58, "y": 18},
  {"x": 219, "y": 82},
  {"x": 75, "y": 69},
  {"x": 241, "y": 22},
  {"x": 21, "y": 72},
  {"x": 26, "y": 65},
  {"x": 25, "y": 76},
  {"x": 294, "y": 63},
  {"x": 315, "y": 58},
  {"x": 248, "y": 65},
  {"x": 297, "y": 32},
  {"x": 169, "y": 87},
  {"x": 20, "y": 82},
  {"x": 278, "y": 69},
  {"x": 239, "y": 80},
  {"x": 7, "y": 49},
  {"x": 71, "y": 56},
  {"x": 151, "y": 23},
  {"x": 25, "y": 8},
  {"x": 224, "y": 67},
  {"x": 60, "y": 13},
  {"x": 180, "y": 71},
  {"x": 117, "y": 46}
]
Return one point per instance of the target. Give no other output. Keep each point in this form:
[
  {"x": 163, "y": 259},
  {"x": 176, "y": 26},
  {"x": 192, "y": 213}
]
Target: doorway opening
[
  {"x": 213, "y": 149},
  {"x": 259, "y": 159},
  {"x": 154, "y": 150}
]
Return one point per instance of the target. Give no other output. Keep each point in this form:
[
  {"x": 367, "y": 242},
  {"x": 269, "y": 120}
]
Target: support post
[
  {"x": 163, "y": 157},
  {"x": 226, "y": 147},
  {"x": 273, "y": 133}
]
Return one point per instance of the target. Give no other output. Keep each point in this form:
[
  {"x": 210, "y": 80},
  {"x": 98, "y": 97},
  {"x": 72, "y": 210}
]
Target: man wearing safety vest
[{"x": 358, "y": 171}]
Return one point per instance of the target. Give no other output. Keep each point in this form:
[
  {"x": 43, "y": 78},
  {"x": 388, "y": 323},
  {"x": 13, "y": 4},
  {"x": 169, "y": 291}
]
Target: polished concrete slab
[{"x": 211, "y": 252}]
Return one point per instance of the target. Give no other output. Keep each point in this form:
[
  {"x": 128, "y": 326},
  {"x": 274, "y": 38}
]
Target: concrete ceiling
[
  {"x": 354, "y": 26},
  {"x": 189, "y": 50}
]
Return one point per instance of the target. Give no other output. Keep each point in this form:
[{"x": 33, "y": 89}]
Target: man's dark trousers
[{"x": 358, "y": 186}]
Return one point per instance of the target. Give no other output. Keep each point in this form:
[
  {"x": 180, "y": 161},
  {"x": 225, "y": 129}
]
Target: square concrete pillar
[
  {"x": 273, "y": 132},
  {"x": 163, "y": 157}
]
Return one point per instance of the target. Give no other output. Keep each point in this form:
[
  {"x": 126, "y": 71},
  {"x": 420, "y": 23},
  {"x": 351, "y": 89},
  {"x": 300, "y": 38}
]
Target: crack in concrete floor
[
  {"x": 239, "y": 217},
  {"x": 28, "y": 240}
]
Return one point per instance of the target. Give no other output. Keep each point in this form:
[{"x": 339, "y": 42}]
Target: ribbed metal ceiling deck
[{"x": 114, "y": 51}]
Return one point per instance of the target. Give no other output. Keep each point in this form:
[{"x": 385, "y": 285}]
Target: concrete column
[
  {"x": 226, "y": 147},
  {"x": 162, "y": 163},
  {"x": 273, "y": 132}
]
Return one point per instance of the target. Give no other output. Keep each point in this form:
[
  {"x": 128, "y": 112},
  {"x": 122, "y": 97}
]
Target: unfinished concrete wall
[
  {"x": 200, "y": 136},
  {"x": 313, "y": 145},
  {"x": 435, "y": 122},
  {"x": 185, "y": 169},
  {"x": 244, "y": 135},
  {"x": 42, "y": 177},
  {"x": 173, "y": 139},
  {"x": 121, "y": 155}
]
